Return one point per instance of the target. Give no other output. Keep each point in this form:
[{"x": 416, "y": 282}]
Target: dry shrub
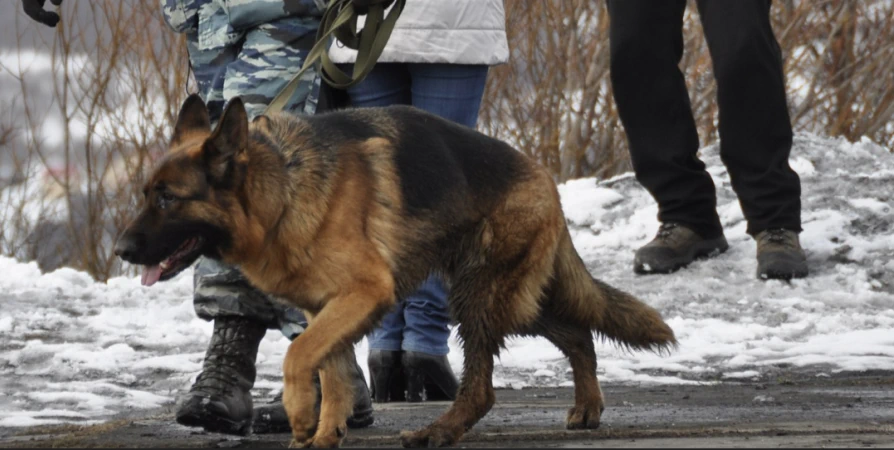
[{"x": 82, "y": 127}]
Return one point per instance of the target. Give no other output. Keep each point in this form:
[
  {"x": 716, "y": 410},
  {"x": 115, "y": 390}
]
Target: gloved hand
[
  {"x": 34, "y": 9},
  {"x": 362, "y": 6}
]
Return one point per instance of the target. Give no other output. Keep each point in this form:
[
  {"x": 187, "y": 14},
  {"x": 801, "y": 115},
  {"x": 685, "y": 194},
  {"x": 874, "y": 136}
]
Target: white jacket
[{"x": 442, "y": 31}]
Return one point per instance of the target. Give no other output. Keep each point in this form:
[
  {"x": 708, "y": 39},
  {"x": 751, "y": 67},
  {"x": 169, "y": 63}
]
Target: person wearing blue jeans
[
  {"x": 417, "y": 328},
  {"x": 437, "y": 60}
]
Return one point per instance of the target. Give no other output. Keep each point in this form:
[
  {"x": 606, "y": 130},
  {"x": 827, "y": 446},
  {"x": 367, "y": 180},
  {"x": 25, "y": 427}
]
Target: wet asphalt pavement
[{"x": 843, "y": 410}]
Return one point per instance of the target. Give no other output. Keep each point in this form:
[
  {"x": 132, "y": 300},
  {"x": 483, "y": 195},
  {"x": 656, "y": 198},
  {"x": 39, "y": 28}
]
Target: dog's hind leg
[
  {"x": 496, "y": 292},
  {"x": 476, "y": 392},
  {"x": 576, "y": 342},
  {"x": 482, "y": 302}
]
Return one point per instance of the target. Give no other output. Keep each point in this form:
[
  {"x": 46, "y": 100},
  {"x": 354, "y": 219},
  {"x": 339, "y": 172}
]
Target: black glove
[
  {"x": 34, "y": 9},
  {"x": 362, "y": 6}
]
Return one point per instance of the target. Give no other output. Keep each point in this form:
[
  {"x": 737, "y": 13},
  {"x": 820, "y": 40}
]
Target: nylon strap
[{"x": 340, "y": 21}]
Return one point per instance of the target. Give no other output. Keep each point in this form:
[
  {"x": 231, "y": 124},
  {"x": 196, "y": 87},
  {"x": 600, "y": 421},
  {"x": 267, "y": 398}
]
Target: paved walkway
[{"x": 855, "y": 410}]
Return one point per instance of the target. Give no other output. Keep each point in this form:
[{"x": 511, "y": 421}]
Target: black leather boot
[
  {"x": 388, "y": 382},
  {"x": 272, "y": 417},
  {"x": 429, "y": 377},
  {"x": 220, "y": 399}
]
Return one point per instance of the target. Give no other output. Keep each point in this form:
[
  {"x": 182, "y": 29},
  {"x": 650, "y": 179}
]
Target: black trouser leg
[
  {"x": 646, "y": 40},
  {"x": 755, "y": 128}
]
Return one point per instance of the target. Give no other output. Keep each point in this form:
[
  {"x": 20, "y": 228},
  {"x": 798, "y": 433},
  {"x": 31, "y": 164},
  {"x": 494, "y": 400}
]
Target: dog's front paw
[
  {"x": 301, "y": 440},
  {"x": 302, "y": 435},
  {"x": 431, "y": 436},
  {"x": 583, "y": 417},
  {"x": 321, "y": 439},
  {"x": 299, "y": 444},
  {"x": 330, "y": 438},
  {"x": 302, "y": 420}
]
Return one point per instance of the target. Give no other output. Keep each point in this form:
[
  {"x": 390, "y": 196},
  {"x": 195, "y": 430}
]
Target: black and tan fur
[{"x": 342, "y": 214}]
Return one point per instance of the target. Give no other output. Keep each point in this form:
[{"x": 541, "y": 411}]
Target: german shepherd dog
[{"x": 341, "y": 214}]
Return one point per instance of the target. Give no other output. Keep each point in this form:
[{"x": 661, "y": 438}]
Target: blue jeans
[{"x": 452, "y": 91}]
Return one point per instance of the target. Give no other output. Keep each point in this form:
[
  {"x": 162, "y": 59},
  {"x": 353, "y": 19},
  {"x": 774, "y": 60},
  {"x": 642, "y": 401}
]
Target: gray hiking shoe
[
  {"x": 220, "y": 399},
  {"x": 674, "y": 247},
  {"x": 779, "y": 255}
]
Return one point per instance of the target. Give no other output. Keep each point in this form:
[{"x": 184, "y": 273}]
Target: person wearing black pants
[{"x": 646, "y": 40}]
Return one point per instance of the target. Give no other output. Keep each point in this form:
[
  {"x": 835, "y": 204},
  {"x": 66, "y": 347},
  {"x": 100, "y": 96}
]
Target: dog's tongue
[{"x": 151, "y": 274}]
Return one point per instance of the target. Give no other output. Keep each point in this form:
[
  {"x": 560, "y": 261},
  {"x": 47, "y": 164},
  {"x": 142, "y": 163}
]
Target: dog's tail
[{"x": 612, "y": 313}]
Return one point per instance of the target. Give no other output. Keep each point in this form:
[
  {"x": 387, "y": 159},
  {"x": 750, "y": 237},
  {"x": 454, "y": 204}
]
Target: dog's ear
[
  {"x": 193, "y": 117},
  {"x": 228, "y": 141}
]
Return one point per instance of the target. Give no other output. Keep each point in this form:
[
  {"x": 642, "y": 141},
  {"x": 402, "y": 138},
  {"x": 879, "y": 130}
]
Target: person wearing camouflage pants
[{"x": 251, "y": 49}]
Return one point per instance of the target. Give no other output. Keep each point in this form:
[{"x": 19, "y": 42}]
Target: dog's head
[{"x": 192, "y": 195}]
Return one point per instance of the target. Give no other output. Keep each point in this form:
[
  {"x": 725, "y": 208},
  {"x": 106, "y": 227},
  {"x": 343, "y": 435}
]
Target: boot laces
[
  {"x": 220, "y": 377},
  {"x": 777, "y": 236},
  {"x": 666, "y": 231},
  {"x": 226, "y": 362}
]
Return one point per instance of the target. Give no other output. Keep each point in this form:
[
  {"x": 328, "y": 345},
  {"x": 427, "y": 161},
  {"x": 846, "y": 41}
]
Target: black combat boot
[
  {"x": 779, "y": 255},
  {"x": 220, "y": 399},
  {"x": 272, "y": 417},
  {"x": 674, "y": 247}
]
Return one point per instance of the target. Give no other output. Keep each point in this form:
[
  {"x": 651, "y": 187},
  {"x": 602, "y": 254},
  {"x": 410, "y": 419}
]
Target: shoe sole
[
  {"x": 360, "y": 422},
  {"x": 784, "y": 276},
  {"x": 706, "y": 249},
  {"x": 216, "y": 424},
  {"x": 787, "y": 275}
]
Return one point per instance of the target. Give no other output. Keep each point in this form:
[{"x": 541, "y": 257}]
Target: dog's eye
[{"x": 165, "y": 199}]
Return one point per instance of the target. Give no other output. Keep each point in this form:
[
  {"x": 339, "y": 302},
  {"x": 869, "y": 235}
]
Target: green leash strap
[{"x": 340, "y": 21}]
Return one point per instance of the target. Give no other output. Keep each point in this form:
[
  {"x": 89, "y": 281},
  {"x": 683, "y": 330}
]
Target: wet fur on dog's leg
[
  {"x": 576, "y": 343},
  {"x": 495, "y": 293},
  {"x": 475, "y": 398},
  {"x": 337, "y": 325}
]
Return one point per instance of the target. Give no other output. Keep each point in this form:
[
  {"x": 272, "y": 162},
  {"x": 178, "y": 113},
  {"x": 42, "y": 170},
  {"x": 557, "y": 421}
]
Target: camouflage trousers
[
  {"x": 222, "y": 290},
  {"x": 256, "y": 68}
]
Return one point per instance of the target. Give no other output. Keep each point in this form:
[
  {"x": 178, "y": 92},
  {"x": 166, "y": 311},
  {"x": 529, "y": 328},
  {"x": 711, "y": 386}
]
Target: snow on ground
[{"x": 75, "y": 350}]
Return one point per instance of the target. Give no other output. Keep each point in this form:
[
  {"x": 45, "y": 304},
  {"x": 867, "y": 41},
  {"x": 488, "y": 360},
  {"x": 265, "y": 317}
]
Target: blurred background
[{"x": 87, "y": 106}]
